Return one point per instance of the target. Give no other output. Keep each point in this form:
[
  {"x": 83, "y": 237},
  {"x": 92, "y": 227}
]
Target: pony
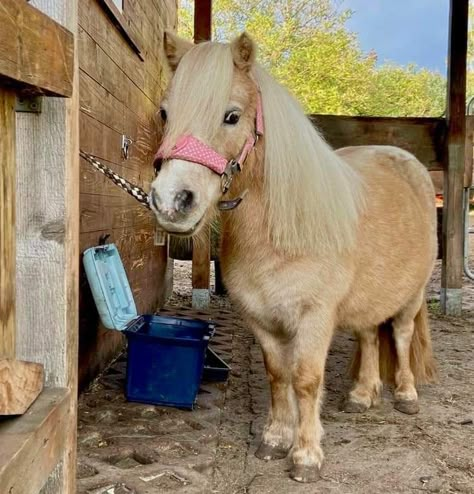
[{"x": 323, "y": 239}]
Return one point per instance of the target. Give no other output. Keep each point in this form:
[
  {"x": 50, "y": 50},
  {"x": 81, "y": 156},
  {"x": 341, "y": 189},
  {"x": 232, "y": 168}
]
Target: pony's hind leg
[
  {"x": 278, "y": 432},
  {"x": 368, "y": 386},
  {"x": 406, "y": 397}
]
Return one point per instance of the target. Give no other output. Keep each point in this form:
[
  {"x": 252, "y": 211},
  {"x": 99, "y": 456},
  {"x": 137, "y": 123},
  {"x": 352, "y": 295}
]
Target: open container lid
[{"x": 110, "y": 287}]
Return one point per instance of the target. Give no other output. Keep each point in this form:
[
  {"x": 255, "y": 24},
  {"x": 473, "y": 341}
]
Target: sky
[{"x": 402, "y": 31}]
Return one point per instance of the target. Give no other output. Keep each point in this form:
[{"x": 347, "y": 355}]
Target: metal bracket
[
  {"x": 28, "y": 104},
  {"x": 161, "y": 237},
  {"x": 126, "y": 143}
]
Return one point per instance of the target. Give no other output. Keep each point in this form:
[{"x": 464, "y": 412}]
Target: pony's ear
[
  {"x": 175, "y": 48},
  {"x": 243, "y": 51}
]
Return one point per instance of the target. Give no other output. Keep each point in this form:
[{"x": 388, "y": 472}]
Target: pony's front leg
[
  {"x": 278, "y": 432},
  {"x": 310, "y": 351}
]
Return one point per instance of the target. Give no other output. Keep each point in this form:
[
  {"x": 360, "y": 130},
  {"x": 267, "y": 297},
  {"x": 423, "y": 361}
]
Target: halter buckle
[{"x": 231, "y": 169}]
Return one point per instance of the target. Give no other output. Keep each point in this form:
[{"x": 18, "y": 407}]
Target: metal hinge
[{"x": 28, "y": 104}]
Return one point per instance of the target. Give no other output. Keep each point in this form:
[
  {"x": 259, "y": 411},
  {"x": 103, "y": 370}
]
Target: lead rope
[{"x": 137, "y": 192}]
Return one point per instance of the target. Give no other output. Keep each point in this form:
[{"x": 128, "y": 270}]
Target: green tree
[{"x": 306, "y": 45}]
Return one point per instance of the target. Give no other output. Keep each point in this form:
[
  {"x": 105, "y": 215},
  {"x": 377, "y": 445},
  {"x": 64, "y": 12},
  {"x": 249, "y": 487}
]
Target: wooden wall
[{"x": 119, "y": 93}]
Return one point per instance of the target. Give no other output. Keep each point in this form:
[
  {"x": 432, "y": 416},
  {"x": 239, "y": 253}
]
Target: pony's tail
[
  {"x": 422, "y": 362},
  {"x": 421, "y": 354}
]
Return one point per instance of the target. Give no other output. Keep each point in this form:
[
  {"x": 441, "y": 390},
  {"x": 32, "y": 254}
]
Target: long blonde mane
[{"x": 314, "y": 198}]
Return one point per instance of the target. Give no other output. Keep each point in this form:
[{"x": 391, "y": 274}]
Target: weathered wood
[
  {"x": 36, "y": 51},
  {"x": 452, "y": 268},
  {"x": 424, "y": 137},
  {"x": 7, "y": 223},
  {"x": 119, "y": 20},
  {"x": 47, "y": 245},
  {"x": 202, "y": 20},
  {"x": 120, "y": 95},
  {"x": 201, "y": 269},
  {"x": 32, "y": 445},
  {"x": 20, "y": 384}
]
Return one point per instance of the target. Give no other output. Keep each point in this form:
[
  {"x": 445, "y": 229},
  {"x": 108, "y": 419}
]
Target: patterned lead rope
[{"x": 137, "y": 192}]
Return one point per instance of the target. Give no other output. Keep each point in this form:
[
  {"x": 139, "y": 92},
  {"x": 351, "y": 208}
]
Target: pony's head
[{"x": 209, "y": 111}]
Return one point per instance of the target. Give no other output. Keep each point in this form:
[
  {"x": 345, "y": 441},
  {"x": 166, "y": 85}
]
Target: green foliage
[{"x": 307, "y": 47}]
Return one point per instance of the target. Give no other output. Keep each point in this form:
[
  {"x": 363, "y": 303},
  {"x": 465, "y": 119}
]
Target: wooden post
[
  {"x": 38, "y": 55},
  {"x": 201, "y": 269},
  {"x": 202, "y": 20},
  {"x": 202, "y": 245},
  {"x": 452, "y": 268},
  {"x": 7, "y": 223}
]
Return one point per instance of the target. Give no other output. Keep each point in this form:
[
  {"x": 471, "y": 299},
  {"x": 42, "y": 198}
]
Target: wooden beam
[
  {"x": 47, "y": 243},
  {"x": 7, "y": 223},
  {"x": 20, "y": 384},
  {"x": 202, "y": 20},
  {"x": 452, "y": 267},
  {"x": 37, "y": 52},
  {"x": 32, "y": 445},
  {"x": 424, "y": 137}
]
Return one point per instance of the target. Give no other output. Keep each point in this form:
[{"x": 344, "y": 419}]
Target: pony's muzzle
[{"x": 182, "y": 204}]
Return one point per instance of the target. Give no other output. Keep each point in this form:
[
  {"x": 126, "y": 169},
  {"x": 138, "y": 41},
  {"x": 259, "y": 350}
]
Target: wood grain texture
[
  {"x": 48, "y": 238},
  {"x": 7, "y": 223},
  {"x": 20, "y": 384},
  {"x": 424, "y": 137},
  {"x": 41, "y": 58},
  {"x": 119, "y": 95},
  {"x": 32, "y": 445},
  {"x": 452, "y": 268}
]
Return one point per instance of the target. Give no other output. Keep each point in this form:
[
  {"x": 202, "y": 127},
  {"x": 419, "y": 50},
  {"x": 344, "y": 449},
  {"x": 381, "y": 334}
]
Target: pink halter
[{"x": 189, "y": 148}]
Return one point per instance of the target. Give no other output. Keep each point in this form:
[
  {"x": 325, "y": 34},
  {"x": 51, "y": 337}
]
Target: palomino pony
[{"x": 322, "y": 238}]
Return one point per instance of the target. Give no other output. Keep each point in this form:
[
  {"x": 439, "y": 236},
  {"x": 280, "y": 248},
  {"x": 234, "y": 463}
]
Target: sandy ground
[{"x": 211, "y": 449}]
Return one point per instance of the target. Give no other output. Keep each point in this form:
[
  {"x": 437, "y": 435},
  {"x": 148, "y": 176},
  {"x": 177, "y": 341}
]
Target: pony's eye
[
  {"x": 163, "y": 114},
  {"x": 231, "y": 117}
]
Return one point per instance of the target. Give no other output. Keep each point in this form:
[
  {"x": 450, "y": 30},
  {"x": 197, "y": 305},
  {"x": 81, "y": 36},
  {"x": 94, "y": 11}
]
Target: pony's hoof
[
  {"x": 410, "y": 407},
  {"x": 353, "y": 407},
  {"x": 267, "y": 452},
  {"x": 304, "y": 473}
]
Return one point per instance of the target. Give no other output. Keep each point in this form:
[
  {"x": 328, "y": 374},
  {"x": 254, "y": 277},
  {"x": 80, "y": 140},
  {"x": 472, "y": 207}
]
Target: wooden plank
[
  {"x": 95, "y": 22},
  {"x": 47, "y": 244},
  {"x": 41, "y": 58},
  {"x": 424, "y": 137},
  {"x": 7, "y": 223},
  {"x": 128, "y": 32},
  {"x": 100, "y": 104},
  {"x": 32, "y": 445},
  {"x": 20, "y": 384},
  {"x": 103, "y": 212},
  {"x": 202, "y": 20},
  {"x": 452, "y": 267},
  {"x": 95, "y": 62}
]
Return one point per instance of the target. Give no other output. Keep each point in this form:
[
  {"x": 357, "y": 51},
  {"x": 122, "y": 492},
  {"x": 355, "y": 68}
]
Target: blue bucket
[{"x": 165, "y": 354}]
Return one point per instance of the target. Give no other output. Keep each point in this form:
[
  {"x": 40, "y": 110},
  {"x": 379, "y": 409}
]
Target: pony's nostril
[{"x": 184, "y": 201}]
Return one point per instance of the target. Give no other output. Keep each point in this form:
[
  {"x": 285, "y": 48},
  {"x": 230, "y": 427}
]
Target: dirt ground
[{"x": 133, "y": 448}]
